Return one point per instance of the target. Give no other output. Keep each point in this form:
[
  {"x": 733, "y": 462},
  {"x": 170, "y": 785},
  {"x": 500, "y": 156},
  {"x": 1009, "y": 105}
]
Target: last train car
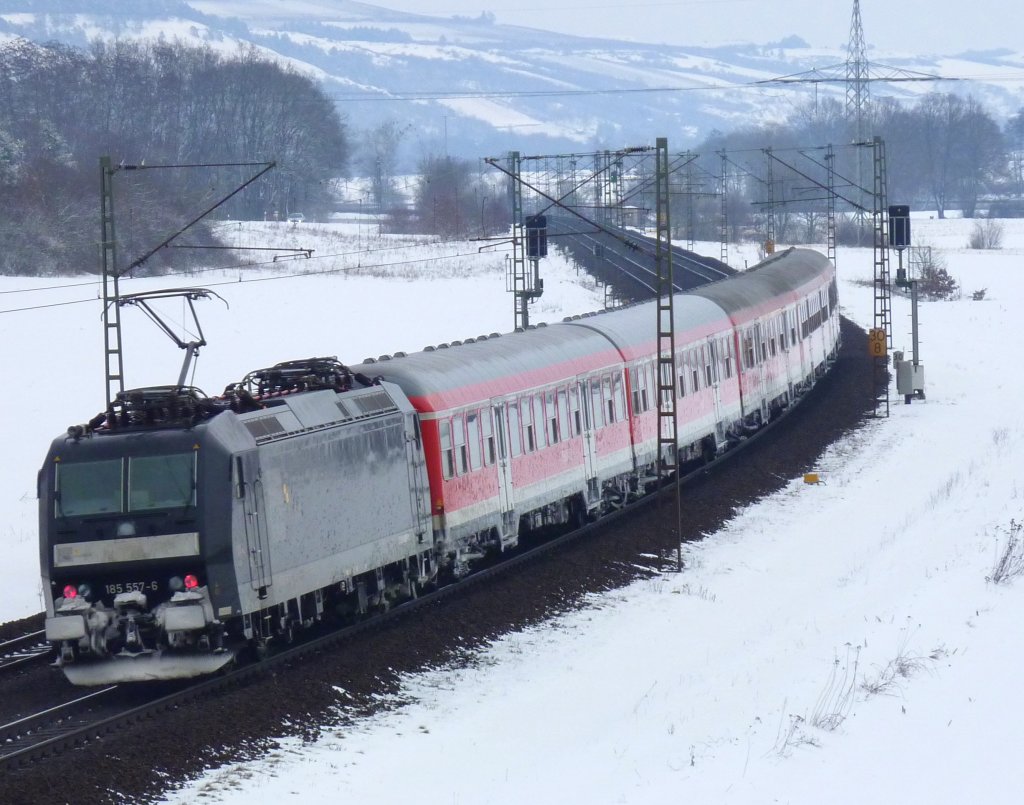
[{"x": 177, "y": 529}]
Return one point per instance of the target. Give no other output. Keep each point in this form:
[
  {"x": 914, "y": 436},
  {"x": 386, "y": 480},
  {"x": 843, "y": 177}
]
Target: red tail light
[
  {"x": 191, "y": 582},
  {"x": 70, "y": 591}
]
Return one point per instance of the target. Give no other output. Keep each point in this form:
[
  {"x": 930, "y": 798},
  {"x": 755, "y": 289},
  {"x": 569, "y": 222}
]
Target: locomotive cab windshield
[{"x": 125, "y": 485}]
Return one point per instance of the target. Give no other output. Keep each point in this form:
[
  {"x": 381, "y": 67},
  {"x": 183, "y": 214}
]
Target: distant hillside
[{"x": 469, "y": 86}]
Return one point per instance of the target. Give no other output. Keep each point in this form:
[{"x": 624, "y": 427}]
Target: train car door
[
  {"x": 250, "y": 488},
  {"x": 713, "y": 375},
  {"x": 589, "y": 436},
  {"x": 506, "y": 495},
  {"x": 416, "y": 463}
]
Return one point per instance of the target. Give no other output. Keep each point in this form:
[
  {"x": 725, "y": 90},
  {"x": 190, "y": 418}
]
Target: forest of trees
[
  {"x": 155, "y": 104},
  {"x": 944, "y": 152},
  {"x": 158, "y": 103}
]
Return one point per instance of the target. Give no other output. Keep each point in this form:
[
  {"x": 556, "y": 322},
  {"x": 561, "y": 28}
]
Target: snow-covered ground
[{"x": 836, "y": 643}]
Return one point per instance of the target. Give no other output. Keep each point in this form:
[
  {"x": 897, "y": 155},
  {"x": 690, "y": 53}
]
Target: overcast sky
[{"x": 916, "y": 27}]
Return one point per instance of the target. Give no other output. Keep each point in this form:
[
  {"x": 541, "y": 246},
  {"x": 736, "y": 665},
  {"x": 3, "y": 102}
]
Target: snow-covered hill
[{"x": 470, "y": 86}]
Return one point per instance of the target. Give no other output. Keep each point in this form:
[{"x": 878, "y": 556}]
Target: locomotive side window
[
  {"x": 473, "y": 425},
  {"x": 239, "y": 478},
  {"x": 447, "y": 451},
  {"x": 93, "y": 487}
]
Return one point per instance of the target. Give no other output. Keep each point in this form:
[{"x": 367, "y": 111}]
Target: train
[{"x": 179, "y": 531}]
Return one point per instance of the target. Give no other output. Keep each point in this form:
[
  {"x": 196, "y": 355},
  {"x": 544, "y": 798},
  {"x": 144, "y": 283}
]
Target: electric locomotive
[{"x": 177, "y": 528}]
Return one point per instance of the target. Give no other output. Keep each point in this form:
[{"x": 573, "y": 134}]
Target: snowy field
[{"x": 834, "y": 643}]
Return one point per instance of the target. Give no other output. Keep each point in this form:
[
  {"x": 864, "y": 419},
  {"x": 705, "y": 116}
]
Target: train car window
[
  {"x": 92, "y": 487},
  {"x": 459, "y": 442},
  {"x": 487, "y": 429},
  {"x": 575, "y": 414},
  {"x": 618, "y": 397},
  {"x": 473, "y": 427},
  {"x": 565, "y": 425},
  {"x": 447, "y": 451},
  {"x": 726, "y": 358},
  {"x": 162, "y": 482},
  {"x": 539, "y": 421},
  {"x": 683, "y": 370},
  {"x": 665, "y": 385},
  {"x": 515, "y": 433},
  {"x": 552, "y": 412},
  {"x": 529, "y": 435},
  {"x": 792, "y": 327},
  {"x": 597, "y": 402},
  {"x": 634, "y": 385},
  {"x": 609, "y": 406}
]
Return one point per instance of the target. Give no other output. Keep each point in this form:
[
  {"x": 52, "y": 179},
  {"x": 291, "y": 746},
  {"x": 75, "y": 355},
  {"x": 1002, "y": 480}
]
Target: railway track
[
  {"x": 626, "y": 259},
  {"x": 20, "y": 651}
]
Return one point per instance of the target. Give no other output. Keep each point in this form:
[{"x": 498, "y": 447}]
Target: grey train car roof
[
  {"x": 635, "y": 327},
  {"x": 779, "y": 275},
  {"x": 488, "y": 361}
]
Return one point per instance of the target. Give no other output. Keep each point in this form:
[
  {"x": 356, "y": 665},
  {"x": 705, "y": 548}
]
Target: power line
[{"x": 303, "y": 274}]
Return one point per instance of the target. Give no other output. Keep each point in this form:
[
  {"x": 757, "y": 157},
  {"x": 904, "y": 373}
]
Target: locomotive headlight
[
  {"x": 85, "y": 590},
  {"x": 191, "y": 582},
  {"x": 176, "y": 584}
]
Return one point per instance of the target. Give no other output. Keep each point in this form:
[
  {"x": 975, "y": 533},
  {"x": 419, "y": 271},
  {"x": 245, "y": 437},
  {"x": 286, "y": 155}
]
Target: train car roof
[
  {"x": 785, "y": 276},
  {"x": 451, "y": 375},
  {"x": 634, "y": 330}
]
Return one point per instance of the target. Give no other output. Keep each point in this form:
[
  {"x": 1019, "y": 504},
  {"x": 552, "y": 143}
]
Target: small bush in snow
[
  {"x": 903, "y": 666},
  {"x": 987, "y": 234},
  {"x": 836, "y": 698},
  {"x": 1011, "y": 558}
]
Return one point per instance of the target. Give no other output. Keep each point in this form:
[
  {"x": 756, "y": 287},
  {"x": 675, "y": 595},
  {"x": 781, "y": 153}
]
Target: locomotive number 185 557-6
[{"x": 132, "y": 587}]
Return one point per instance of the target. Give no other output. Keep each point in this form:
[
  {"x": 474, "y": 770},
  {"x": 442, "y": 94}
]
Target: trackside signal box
[
  {"x": 536, "y": 236},
  {"x": 899, "y": 226}
]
